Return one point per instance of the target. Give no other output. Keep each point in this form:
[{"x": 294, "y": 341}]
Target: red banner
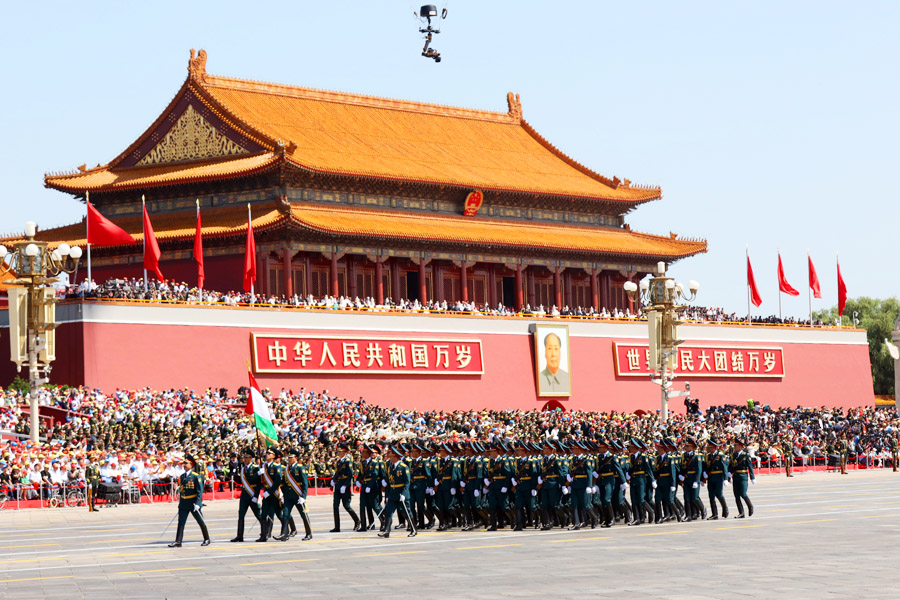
[
  {"x": 288, "y": 353},
  {"x": 703, "y": 361}
]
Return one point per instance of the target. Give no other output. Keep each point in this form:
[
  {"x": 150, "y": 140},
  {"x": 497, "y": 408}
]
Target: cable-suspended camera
[{"x": 425, "y": 14}]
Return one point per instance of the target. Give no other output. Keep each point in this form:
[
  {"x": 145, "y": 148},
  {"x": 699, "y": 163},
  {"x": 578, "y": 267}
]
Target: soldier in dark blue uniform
[
  {"x": 190, "y": 502},
  {"x": 250, "y": 484},
  {"x": 271, "y": 474},
  {"x": 397, "y": 486}
]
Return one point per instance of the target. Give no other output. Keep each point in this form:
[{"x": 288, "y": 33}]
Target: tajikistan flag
[{"x": 259, "y": 408}]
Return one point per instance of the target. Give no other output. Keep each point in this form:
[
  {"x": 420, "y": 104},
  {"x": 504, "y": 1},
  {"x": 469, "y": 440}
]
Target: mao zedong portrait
[{"x": 553, "y": 379}]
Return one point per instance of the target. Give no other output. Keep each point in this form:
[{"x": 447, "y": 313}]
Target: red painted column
[
  {"x": 557, "y": 288},
  {"x": 395, "y": 280},
  {"x": 532, "y": 296},
  {"x": 464, "y": 280},
  {"x": 604, "y": 290},
  {"x": 492, "y": 291},
  {"x": 423, "y": 289},
  {"x": 519, "y": 294},
  {"x": 308, "y": 273},
  {"x": 379, "y": 283},
  {"x": 334, "y": 275},
  {"x": 594, "y": 299},
  {"x": 288, "y": 273},
  {"x": 351, "y": 277}
]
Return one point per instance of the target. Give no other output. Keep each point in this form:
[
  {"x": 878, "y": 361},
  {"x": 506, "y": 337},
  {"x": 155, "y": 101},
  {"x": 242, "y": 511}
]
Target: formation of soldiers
[{"x": 470, "y": 485}]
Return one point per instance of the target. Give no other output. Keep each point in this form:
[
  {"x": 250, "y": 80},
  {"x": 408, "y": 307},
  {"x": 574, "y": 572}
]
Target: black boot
[
  {"x": 205, "y": 531},
  {"x": 724, "y": 508},
  {"x": 306, "y": 526},
  {"x": 713, "y": 516},
  {"x": 749, "y": 507},
  {"x": 387, "y": 529},
  {"x": 337, "y": 522},
  {"x": 648, "y": 510},
  {"x": 355, "y": 518}
]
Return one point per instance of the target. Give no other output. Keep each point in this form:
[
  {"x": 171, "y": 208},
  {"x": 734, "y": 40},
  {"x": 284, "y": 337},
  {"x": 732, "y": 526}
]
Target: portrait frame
[{"x": 541, "y": 381}]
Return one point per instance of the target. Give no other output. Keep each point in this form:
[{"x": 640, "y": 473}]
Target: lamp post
[
  {"x": 32, "y": 311},
  {"x": 663, "y": 295}
]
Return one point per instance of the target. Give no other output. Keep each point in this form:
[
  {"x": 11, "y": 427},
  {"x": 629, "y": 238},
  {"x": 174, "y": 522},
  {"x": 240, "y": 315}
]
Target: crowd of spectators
[
  {"x": 139, "y": 435},
  {"x": 171, "y": 291}
]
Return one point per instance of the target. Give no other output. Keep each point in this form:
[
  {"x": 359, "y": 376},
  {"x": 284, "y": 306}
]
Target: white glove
[
  {"x": 383, "y": 483},
  {"x": 569, "y": 478},
  {"x": 705, "y": 476},
  {"x": 694, "y": 485},
  {"x": 368, "y": 489},
  {"x": 462, "y": 484},
  {"x": 534, "y": 492},
  {"x": 514, "y": 482},
  {"x": 565, "y": 490},
  {"x": 343, "y": 488},
  {"x": 265, "y": 494},
  {"x": 672, "y": 489},
  {"x": 436, "y": 483},
  {"x": 429, "y": 491},
  {"x": 627, "y": 477},
  {"x": 476, "y": 493},
  {"x": 332, "y": 483},
  {"x": 540, "y": 480},
  {"x": 681, "y": 478},
  {"x": 595, "y": 474},
  {"x": 623, "y": 486},
  {"x": 703, "y": 483},
  {"x": 653, "y": 484},
  {"x": 487, "y": 482},
  {"x": 259, "y": 499},
  {"x": 596, "y": 490},
  {"x": 452, "y": 491},
  {"x": 301, "y": 501},
  {"x": 261, "y": 471},
  {"x": 503, "y": 490},
  {"x": 196, "y": 508},
  {"x": 753, "y": 481}
]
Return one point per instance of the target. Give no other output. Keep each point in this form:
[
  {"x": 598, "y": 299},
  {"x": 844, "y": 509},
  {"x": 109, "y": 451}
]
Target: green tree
[{"x": 877, "y": 318}]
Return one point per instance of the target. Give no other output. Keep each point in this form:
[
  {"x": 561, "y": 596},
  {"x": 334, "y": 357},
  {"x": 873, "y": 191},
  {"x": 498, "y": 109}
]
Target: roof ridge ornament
[
  {"x": 197, "y": 65},
  {"x": 514, "y": 101}
]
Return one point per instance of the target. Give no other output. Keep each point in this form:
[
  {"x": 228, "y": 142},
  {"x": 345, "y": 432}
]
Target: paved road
[{"x": 817, "y": 535}]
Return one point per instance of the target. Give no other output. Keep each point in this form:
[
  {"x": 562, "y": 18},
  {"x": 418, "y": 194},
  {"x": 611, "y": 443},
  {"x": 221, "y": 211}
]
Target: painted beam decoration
[
  {"x": 296, "y": 353},
  {"x": 633, "y": 360}
]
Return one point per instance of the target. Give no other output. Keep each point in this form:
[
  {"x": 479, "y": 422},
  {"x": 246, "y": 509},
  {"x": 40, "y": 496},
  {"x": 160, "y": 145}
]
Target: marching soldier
[
  {"x": 92, "y": 482},
  {"x": 581, "y": 480},
  {"x": 717, "y": 463},
  {"x": 787, "y": 455},
  {"x": 620, "y": 504},
  {"x": 844, "y": 449},
  {"x": 190, "y": 502},
  {"x": 525, "y": 485},
  {"x": 895, "y": 451},
  {"x": 741, "y": 471},
  {"x": 397, "y": 485},
  {"x": 641, "y": 479},
  {"x": 497, "y": 485},
  {"x": 667, "y": 480},
  {"x": 690, "y": 480},
  {"x": 549, "y": 484},
  {"x": 294, "y": 489},
  {"x": 446, "y": 485},
  {"x": 343, "y": 488},
  {"x": 609, "y": 472},
  {"x": 272, "y": 474},
  {"x": 473, "y": 500},
  {"x": 372, "y": 471},
  {"x": 250, "y": 484}
]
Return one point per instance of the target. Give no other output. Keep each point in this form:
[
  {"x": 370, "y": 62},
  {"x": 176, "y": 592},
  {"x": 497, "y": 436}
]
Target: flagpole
[
  {"x": 87, "y": 220},
  {"x": 837, "y": 259},
  {"x": 249, "y": 225},
  {"x": 748, "y": 284},
  {"x": 200, "y": 287},
  {"x": 144, "y": 243},
  {"x": 809, "y": 286},
  {"x": 780, "y": 316}
]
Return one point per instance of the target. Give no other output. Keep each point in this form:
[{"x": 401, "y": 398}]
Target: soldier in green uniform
[
  {"x": 787, "y": 455},
  {"x": 343, "y": 488},
  {"x": 272, "y": 474},
  {"x": 844, "y": 450},
  {"x": 550, "y": 481},
  {"x": 692, "y": 472},
  {"x": 717, "y": 474},
  {"x": 372, "y": 471},
  {"x": 581, "y": 480},
  {"x": 622, "y": 507},
  {"x": 640, "y": 476},
  {"x": 397, "y": 485},
  {"x": 92, "y": 482},
  {"x": 190, "y": 502},
  {"x": 473, "y": 499},
  {"x": 446, "y": 485},
  {"x": 250, "y": 484},
  {"x": 895, "y": 450},
  {"x": 609, "y": 472},
  {"x": 294, "y": 488},
  {"x": 667, "y": 480},
  {"x": 525, "y": 485},
  {"x": 497, "y": 484},
  {"x": 741, "y": 472}
]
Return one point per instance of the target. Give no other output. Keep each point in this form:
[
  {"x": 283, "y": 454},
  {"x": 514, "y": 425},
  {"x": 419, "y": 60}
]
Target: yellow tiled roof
[
  {"x": 104, "y": 178},
  {"x": 408, "y": 226}
]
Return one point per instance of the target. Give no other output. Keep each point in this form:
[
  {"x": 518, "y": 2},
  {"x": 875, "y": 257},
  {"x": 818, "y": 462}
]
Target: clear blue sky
[{"x": 768, "y": 124}]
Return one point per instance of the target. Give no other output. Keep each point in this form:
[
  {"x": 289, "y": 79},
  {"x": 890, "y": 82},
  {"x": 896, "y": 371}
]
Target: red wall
[{"x": 163, "y": 355}]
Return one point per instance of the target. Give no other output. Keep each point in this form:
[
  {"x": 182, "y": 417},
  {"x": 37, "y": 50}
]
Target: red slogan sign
[
  {"x": 289, "y": 353},
  {"x": 704, "y": 361}
]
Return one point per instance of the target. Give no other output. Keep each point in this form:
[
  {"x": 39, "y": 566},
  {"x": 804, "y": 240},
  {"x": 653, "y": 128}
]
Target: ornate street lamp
[
  {"x": 663, "y": 296},
  {"x": 32, "y": 308}
]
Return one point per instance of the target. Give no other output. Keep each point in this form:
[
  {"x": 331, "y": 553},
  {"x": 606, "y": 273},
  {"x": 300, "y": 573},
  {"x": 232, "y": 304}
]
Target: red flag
[
  {"x": 249, "y": 256},
  {"x": 842, "y": 291},
  {"x": 103, "y": 232},
  {"x": 198, "y": 251},
  {"x": 814, "y": 280},
  {"x": 783, "y": 284},
  {"x": 755, "y": 298},
  {"x": 151, "y": 248}
]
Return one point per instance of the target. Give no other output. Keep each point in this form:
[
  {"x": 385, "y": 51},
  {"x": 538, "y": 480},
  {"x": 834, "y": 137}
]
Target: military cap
[
  {"x": 294, "y": 452},
  {"x": 740, "y": 441},
  {"x": 398, "y": 449},
  {"x": 711, "y": 442},
  {"x": 248, "y": 452},
  {"x": 276, "y": 451},
  {"x": 190, "y": 458}
]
